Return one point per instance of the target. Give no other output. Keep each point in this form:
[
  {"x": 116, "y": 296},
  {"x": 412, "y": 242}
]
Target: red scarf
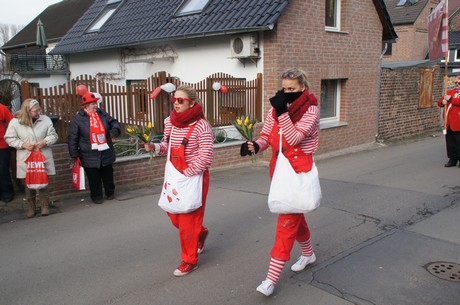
[
  {"x": 298, "y": 108},
  {"x": 96, "y": 132},
  {"x": 184, "y": 119}
]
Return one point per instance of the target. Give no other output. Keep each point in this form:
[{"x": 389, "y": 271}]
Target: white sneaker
[
  {"x": 302, "y": 262},
  {"x": 266, "y": 288}
]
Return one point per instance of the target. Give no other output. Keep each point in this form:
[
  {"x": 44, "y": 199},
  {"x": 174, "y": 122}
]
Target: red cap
[{"x": 88, "y": 98}]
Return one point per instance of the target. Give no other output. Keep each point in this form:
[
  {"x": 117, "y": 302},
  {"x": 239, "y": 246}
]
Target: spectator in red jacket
[
  {"x": 6, "y": 185},
  {"x": 451, "y": 104}
]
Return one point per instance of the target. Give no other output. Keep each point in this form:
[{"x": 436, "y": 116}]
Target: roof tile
[
  {"x": 148, "y": 21},
  {"x": 57, "y": 20},
  {"x": 406, "y": 14}
]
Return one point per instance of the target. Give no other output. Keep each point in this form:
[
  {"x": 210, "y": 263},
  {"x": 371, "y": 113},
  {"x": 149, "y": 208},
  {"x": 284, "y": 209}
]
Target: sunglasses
[
  {"x": 180, "y": 100},
  {"x": 456, "y": 83},
  {"x": 289, "y": 75}
]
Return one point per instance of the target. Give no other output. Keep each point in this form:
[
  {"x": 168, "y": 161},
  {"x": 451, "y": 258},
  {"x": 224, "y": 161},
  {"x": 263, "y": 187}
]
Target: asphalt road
[{"x": 386, "y": 213}]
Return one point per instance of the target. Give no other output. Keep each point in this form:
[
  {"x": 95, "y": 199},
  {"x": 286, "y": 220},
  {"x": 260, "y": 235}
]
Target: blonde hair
[
  {"x": 298, "y": 74},
  {"x": 190, "y": 91},
  {"x": 23, "y": 114}
]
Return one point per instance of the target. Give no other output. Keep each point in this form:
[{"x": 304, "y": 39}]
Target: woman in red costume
[
  {"x": 191, "y": 157},
  {"x": 295, "y": 111}
]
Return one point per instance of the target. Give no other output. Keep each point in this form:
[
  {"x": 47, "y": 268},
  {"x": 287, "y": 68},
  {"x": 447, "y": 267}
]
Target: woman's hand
[
  {"x": 253, "y": 147},
  {"x": 148, "y": 146},
  {"x": 247, "y": 148},
  {"x": 446, "y": 99},
  {"x": 28, "y": 146},
  {"x": 40, "y": 144},
  {"x": 279, "y": 102}
]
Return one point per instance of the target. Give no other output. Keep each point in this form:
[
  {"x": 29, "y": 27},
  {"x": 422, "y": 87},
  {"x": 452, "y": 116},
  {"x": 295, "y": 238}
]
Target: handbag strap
[
  {"x": 184, "y": 140},
  {"x": 280, "y": 148}
]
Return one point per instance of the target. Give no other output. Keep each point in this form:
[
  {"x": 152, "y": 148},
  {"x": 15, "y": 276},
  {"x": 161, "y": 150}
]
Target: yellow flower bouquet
[
  {"x": 143, "y": 134},
  {"x": 245, "y": 126}
]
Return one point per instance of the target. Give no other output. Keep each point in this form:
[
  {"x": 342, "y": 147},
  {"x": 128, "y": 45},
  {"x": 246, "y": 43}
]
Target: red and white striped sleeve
[
  {"x": 265, "y": 132},
  {"x": 199, "y": 152},
  {"x": 199, "y": 149},
  {"x": 306, "y": 127}
]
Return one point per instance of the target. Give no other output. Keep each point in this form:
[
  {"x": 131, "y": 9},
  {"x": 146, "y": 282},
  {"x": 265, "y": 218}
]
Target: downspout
[{"x": 377, "y": 136}]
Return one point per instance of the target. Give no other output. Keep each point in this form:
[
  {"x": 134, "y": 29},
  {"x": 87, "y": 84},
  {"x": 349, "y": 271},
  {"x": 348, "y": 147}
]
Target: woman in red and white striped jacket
[
  {"x": 191, "y": 157},
  {"x": 295, "y": 111}
]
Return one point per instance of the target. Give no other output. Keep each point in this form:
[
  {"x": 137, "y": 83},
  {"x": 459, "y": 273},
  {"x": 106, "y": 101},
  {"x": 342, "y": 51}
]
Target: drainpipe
[{"x": 377, "y": 136}]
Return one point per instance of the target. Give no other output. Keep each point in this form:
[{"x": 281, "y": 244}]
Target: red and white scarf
[{"x": 97, "y": 132}]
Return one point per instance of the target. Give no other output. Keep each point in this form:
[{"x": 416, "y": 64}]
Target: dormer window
[
  {"x": 406, "y": 2},
  {"x": 189, "y": 7},
  {"x": 108, "y": 11}
]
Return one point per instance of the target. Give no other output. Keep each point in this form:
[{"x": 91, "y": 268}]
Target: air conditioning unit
[{"x": 244, "y": 46}]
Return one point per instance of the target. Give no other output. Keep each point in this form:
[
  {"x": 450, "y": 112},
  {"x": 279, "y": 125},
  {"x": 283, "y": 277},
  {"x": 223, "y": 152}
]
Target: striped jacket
[
  {"x": 303, "y": 132},
  {"x": 199, "y": 149}
]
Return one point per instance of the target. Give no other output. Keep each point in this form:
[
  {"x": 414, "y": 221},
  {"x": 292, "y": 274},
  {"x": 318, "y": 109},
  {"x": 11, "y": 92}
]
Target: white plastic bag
[{"x": 291, "y": 192}]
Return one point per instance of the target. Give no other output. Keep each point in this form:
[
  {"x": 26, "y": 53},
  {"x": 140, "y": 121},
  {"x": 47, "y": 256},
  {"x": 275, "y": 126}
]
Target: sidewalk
[{"x": 15, "y": 210}]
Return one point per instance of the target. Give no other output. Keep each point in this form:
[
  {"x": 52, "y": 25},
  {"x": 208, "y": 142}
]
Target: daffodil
[
  {"x": 142, "y": 134},
  {"x": 244, "y": 126}
]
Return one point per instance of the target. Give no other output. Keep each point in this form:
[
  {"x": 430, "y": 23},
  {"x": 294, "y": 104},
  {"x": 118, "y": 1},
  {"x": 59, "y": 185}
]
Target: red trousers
[
  {"x": 190, "y": 226},
  {"x": 290, "y": 227}
]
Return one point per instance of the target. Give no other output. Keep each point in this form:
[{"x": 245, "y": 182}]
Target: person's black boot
[{"x": 451, "y": 163}]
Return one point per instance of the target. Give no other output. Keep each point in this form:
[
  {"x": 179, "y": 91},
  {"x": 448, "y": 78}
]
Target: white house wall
[
  {"x": 46, "y": 81},
  {"x": 196, "y": 59}
]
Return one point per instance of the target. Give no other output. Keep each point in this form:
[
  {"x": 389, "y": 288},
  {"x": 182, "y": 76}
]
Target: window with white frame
[
  {"x": 108, "y": 11},
  {"x": 191, "y": 7},
  {"x": 333, "y": 15},
  {"x": 457, "y": 55},
  {"x": 389, "y": 48},
  {"x": 330, "y": 100}
]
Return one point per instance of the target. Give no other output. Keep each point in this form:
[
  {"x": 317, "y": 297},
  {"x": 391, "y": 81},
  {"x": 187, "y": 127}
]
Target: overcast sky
[{"x": 21, "y": 12}]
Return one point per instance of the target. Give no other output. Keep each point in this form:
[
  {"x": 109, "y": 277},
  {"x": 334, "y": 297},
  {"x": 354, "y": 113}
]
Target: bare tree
[{"x": 7, "y": 31}]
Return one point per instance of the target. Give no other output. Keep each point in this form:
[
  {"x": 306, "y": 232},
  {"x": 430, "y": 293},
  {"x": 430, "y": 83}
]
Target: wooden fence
[{"x": 131, "y": 104}]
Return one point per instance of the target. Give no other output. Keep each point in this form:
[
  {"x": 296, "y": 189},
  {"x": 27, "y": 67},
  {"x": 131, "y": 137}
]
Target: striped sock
[
  {"x": 274, "y": 271},
  {"x": 306, "y": 248}
]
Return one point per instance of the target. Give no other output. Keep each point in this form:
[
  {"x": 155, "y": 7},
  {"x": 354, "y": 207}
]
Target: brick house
[
  {"x": 454, "y": 15},
  {"x": 27, "y": 60},
  {"x": 338, "y": 46},
  {"x": 410, "y": 19},
  {"x": 338, "y": 43},
  {"x": 454, "y": 38}
]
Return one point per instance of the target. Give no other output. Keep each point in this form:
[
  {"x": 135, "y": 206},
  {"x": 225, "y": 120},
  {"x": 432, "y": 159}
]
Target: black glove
[
  {"x": 244, "y": 150},
  {"x": 279, "y": 102},
  {"x": 114, "y": 132}
]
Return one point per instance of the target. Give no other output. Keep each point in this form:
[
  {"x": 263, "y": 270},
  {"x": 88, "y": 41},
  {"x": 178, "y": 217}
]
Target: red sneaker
[
  {"x": 185, "y": 268},
  {"x": 203, "y": 234}
]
